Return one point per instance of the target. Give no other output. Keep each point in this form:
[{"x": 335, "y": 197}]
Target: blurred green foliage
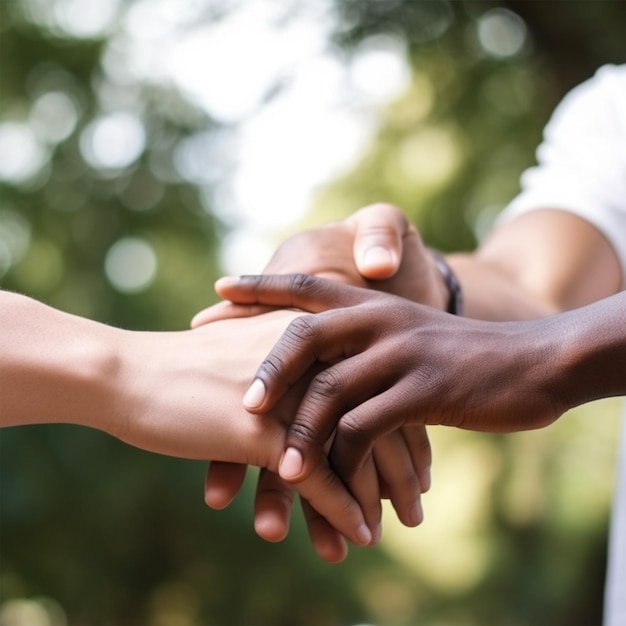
[{"x": 516, "y": 526}]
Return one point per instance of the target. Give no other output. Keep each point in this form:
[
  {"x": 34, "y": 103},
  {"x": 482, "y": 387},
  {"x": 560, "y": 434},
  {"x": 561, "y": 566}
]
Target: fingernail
[
  {"x": 291, "y": 464},
  {"x": 377, "y": 256},
  {"x": 226, "y": 281},
  {"x": 255, "y": 395},
  {"x": 363, "y": 535}
]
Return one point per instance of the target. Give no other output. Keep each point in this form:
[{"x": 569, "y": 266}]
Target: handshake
[{"x": 325, "y": 370}]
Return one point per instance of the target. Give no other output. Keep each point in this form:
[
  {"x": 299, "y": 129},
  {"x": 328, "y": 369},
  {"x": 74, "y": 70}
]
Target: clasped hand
[
  {"x": 374, "y": 248},
  {"x": 389, "y": 364}
]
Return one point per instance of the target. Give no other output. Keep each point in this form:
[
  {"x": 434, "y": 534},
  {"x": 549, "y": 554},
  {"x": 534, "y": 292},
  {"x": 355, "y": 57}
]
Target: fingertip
[
  {"x": 217, "y": 497},
  {"x": 377, "y": 533},
  {"x": 255, "y": 395},
  {"x": 225, "y": 281},
  {"x": 416, "y": 514},
  {"x": 364, "y": 535},
  {"x": 332, "y": 549},
  {"x": 291, "y": 464},
  {"x": 198, "y": 319},
  {"x": 210, "y": 314},
  {"x": 378, "y": 262},
  {"x": 271, "y": 526},
  {"x": 330, "y": 545}
]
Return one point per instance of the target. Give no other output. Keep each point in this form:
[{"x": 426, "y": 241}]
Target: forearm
[
  {"x": 187, "y": 386},
  {"x": 492, "y": 293},
  {"x": 591, "y": 344},
  {"x": 54, "y": 367},
  {"x": 543, "y": 262},
  {"x": 176, "y": 393}
]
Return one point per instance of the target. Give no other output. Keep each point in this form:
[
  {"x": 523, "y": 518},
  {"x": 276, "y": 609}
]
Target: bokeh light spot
[
  {"x": 114, "y": 141},
  {"x": 21, "y": 154},
  {"x": 501, "y": 33},
  {"x": 54, "y": 116},
  {"x": 85, "y": 18},
  {"x": 14, "y": 238},
  {"x": 380, "y": 69},
  {"x": 131, "y": 265}
]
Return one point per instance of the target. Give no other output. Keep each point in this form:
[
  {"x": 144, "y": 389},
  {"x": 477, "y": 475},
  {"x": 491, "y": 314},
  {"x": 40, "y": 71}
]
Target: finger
[
  {"x": 360, "y": 427},
  {"x": 325, "y": 337},
  {"x": 272, "y": 506},
  {"x": 364, "y": 486},
  {"x": 328, "y": 495},
  {"x": 379, "y": 229},
  {"x": 419, "y": 447},
  {"x": 331, "y": 394},
  {"x": 395, "y": 466},
  {"x": 227, "y": 310},
  {"x": 329, "y": 544},
  {"x": 323, "y": 488},
  {"x": 222, "y": 483},
  {"x": 301, "y": 291}
]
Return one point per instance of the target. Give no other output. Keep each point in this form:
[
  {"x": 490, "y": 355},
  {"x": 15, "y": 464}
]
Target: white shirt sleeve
[{"x": 582, "y": 159}]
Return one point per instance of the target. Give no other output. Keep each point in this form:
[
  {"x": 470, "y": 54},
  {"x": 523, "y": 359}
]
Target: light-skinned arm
[{"x": 173, "y": 393}]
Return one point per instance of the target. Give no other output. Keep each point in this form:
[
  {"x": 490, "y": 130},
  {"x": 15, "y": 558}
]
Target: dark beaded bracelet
[{"x": 455, "y": 303}]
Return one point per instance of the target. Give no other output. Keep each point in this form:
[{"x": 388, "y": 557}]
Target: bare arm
[
  {"x": 176, "y": 393},
  {"x": 542, "y": 262},
  {"x": 375, "y": 246},
  {"x": 392, "y": 363}
]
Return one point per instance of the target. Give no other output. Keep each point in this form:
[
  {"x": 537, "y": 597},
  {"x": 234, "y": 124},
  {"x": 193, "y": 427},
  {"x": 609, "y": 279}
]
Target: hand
[
  {"x": 176, "y": 393},
  {"x": 273, "y": 503},
  {"x": 375, "y": 243},
  {"x": 184, "y": 399},
  {"x": 391, "y": 363},
  {"x": 375, "y": 247}
]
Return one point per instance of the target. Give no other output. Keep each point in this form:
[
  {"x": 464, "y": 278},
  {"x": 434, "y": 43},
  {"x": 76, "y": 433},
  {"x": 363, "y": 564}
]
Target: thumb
[{"x": 379, "y": 229}]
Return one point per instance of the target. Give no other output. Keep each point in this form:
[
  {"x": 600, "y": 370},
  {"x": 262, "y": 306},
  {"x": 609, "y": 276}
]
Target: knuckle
[
  {"x": 304, "y": 284},
  {"x": 305, "y": 433},
  {"x": 272, "y": 367},
  {"x": 302, "y": 329},
  {"x": 353, "y": 432},
  {"x": 328, "y": 384},
  {"x": 431, "y": 380}
]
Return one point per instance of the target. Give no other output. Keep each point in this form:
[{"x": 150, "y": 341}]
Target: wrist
[
  {"x": 450, "y": 285},
  {"x": 180, "y": 393},
  {"x": 60, "y": 365},
  {"x": 593, "y": 351}
]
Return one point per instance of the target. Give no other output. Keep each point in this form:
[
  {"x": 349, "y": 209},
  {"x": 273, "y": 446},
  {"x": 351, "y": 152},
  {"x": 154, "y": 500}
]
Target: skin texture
[
  {"x": 544, "y": 262},
  {"x": 375, "y": 247},
  {"x": 176, "y": 393},
  {"x": 389, "y": 366}
]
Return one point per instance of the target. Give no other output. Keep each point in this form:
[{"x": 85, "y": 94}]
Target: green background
[{"x": 99, "y": 533}]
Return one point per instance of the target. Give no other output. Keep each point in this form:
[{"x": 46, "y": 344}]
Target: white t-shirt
[{"x": 582, "y": 169}]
